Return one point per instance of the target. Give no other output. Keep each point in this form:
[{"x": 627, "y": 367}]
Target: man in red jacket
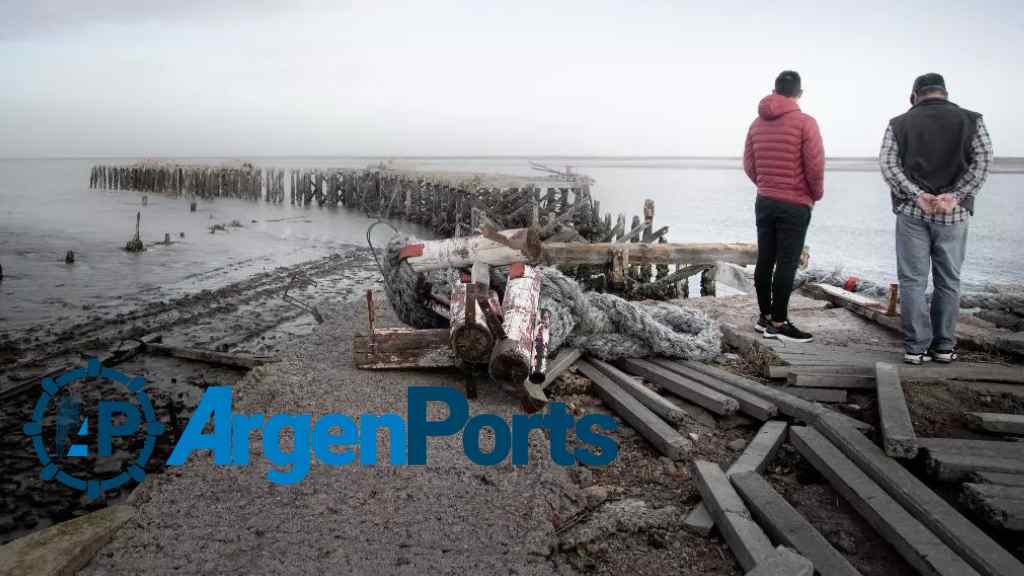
[{"x": 785, "y": 158}]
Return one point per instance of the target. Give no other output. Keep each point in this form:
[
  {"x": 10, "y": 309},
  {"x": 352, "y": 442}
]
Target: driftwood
[
  {"x": 397, "y": 348},
  {"x": 208, "y": 356},
  {"x": 512, "y": 358}
]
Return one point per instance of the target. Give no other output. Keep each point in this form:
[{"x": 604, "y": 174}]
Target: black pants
[{"x": 781, "y": 229}]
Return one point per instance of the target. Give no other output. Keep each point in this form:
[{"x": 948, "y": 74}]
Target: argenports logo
[
  {"x": 115, "y": 418},
  {"x": 335, "y": 440}
]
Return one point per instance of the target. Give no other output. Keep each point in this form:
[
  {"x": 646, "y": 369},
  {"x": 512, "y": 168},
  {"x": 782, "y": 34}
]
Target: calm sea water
[{"x": 46, "y": 209}]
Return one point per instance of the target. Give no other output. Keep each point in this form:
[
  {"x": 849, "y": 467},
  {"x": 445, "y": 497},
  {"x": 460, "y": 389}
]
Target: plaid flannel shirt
[{"x": 906, "y": 191}]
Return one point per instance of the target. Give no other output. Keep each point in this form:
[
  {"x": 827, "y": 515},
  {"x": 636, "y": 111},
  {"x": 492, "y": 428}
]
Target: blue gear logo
[{"x": 94, "y": 487}]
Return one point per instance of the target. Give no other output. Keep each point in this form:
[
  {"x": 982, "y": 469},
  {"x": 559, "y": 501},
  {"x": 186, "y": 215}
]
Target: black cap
[
  {"x": 929, "y": 81},
  {"x": 787, "y": 83}
]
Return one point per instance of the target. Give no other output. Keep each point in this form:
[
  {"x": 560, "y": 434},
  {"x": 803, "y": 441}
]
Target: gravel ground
[{"x": 448, "y": 517}]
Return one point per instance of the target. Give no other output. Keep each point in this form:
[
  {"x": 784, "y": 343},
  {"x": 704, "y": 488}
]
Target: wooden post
[
  {"x": 512, "y": 358},
  {"x": 894, "y": 298}
]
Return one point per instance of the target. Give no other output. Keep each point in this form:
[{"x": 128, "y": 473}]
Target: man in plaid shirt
[{"x": 935, "y": 158}]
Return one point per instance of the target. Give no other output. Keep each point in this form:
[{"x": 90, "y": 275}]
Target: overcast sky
[{"x": 245, "y": 77}]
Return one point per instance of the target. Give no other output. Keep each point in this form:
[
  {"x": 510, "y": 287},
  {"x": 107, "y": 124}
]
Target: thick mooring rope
[{"x": 603, "y": 325}]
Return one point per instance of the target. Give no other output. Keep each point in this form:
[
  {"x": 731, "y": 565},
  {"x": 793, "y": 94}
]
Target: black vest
[{"x": 934, "y": 139}]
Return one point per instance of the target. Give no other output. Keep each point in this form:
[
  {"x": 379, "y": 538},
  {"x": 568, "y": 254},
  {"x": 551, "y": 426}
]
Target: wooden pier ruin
[{"x": 559, "y": 204}]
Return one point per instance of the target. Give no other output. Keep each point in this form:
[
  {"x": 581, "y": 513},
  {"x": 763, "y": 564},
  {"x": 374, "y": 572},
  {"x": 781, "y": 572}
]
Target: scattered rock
[
  {"x": 843, "y": 541},
  {"x": 584, "y": 477},
  {"x": 596, "y": 494},
  {"x": 737, "y": 445}
]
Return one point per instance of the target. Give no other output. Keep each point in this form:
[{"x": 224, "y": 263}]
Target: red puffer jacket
[{"x": 784, "y": 155}]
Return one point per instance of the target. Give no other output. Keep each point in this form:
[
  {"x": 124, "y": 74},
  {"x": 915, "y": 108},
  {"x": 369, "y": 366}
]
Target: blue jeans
[{"x": 921, "y": 245}]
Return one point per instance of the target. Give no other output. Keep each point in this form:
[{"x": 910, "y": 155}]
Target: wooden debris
[
  {"x": 400, "y": 348},
  {"x": 898, "y": 436},
  {"x": 783, "y": 562},
  {"x": 998, "y": 423},
  {"x": 748, "y": 403},
  {"x": 957, "y": 532},
  {"x": 663, "y": 437},
  {"x": 470, "y": 338},
  {"x": 747, "y": 541},
  {"x": 786, "y": 526},
  {"x": 787, "y": 403},
  {"x": 999, "y": 506},
  {"x": 844, "y": 381},
  {"x": 566, "y": 357},
  {"x": 784, "y": 372},
  {"x": 954, "y": 460},
  {"x": 997, "y": 478},
  {"x": 826, "y": 395},
  {"x": 914, "y": 541},
  {"x": 754, "y": 459},
  {"x": 697, "y": 393},
  {"x": 208, "y": 356},
  {"x": 649, "y": 398}
]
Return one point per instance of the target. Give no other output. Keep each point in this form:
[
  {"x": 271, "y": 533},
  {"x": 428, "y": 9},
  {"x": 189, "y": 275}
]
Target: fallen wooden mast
[{"x": 520, "y": 245}]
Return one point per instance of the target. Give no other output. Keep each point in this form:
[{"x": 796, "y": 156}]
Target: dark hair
[{"x": 787, "y": 83}]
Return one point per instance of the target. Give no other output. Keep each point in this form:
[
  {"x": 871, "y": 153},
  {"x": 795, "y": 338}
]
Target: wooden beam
[
  {"x": 824, "y": 395},
  {"x": 844, "y": 381},
  {"x": 663, "y": 437},
  {"x": 747, "y": 541},
  {"x": 898, "y": 436},
  {"x": 669, "y": 253},
  {"x": 999, "y": 506},
  {"x": 786, "y": 403},
  {"x": 997, "y": 478},
  {"x": 210, "y": 357},
  {"x": 566, "y": 357},
  {"x": 649, "y": 398},
  {"x": 756, "y": 456},
  {"x": 783, "y": 562},
  {"x": 957, "y": 532},
  {"x": 695, "y": 392},
  {"x": 786, "y": 526},
  {"x": 748, "y": 403},
  {"x": 911, "y": 539},
  {"x": 401, "y": 348},
  {"x": 997, "y": 423}
]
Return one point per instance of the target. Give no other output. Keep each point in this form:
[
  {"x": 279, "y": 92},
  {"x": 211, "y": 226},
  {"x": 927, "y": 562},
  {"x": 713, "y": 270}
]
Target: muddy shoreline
[{"x": 250, "y": 316}]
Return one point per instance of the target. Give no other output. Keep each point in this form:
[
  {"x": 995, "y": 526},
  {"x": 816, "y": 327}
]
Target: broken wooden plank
[
  {"x": 783, "y": 372},
  {"x": 697, "y": 393},
  {"x": 566, "y": 357},
  {"x": 753, "y": 459},
  {"x": 995, "y": 422},
  {"x": 911, "y": 539},
  {"x": 898, "y": 436},
  {"x": 826, "y": 395},
  {"x": 785, "y": 525},
  {"x": 997, "y": 478},
  {"x": 401, "y": 348},
  {"x": 209, "y": 356},
  {"x": 649, "y": 398},
  {"x": 787, "y": 403},
  {"x": 663, "y": 437},
  {"x": 747, "y": 541},
  {"x": 843, "y": 381},
  {"x": 999, "y": 506},
  {"x": 783, "y": 562},
  {"x": 957, "y": 532},
  {"x": 748, "y": 403}
]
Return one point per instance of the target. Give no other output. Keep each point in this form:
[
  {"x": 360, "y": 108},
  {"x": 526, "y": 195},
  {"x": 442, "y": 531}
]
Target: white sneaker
[
  {"x": 916, "y": 359},
  {"x": 943, "y": 356}
]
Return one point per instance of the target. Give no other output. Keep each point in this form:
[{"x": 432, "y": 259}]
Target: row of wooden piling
[{"x": 449, "y": 205}]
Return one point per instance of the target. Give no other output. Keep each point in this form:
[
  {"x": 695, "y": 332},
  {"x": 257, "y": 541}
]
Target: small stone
[
  {"x": 596, "y": 494},
  {"x": 737, "y": 445},
  {"x": 584, "y": 477},
  {"x": 843, "y": 541}
]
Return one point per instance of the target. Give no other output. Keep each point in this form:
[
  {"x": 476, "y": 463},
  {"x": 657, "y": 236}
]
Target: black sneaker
[
  {"x": 943, "y": 356},
  {"x": 787, "y": 333},
  {"x": 762, "y": 323}
]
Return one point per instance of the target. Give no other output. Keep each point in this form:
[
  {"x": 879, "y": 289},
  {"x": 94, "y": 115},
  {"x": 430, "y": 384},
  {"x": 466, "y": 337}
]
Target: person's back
[
  {"x": 935, "y": 158},
  {"x": 785, "y": 159},
  {"x": 784, "y": 156}
]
